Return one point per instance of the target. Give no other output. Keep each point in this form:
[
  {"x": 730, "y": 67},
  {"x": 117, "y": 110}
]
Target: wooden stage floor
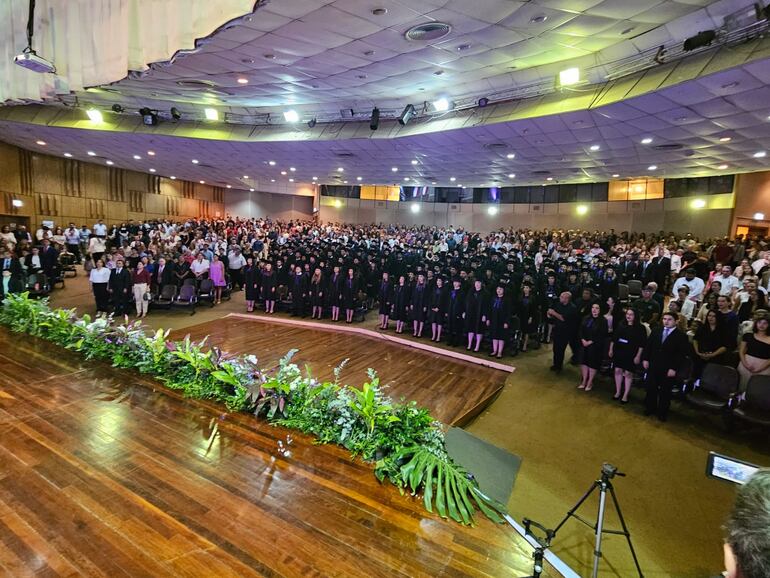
[
  {"x": 103, "y": 473},
  {"x": 454, "y": 390}
]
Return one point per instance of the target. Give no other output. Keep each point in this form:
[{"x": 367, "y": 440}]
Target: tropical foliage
[{"x": 403, "y": 440}]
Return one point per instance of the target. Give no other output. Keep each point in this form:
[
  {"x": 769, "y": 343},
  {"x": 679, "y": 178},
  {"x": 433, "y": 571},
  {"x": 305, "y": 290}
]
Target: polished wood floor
[
  {"x": 454, "y": 390},
  {"x": 103, "y": 473}
]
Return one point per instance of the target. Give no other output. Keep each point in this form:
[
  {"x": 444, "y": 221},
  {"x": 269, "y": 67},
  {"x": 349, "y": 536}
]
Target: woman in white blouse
[{"x": 99, "y": 278}]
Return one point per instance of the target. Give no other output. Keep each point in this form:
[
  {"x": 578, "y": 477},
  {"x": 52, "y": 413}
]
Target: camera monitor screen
[{"x": 729, "y": 469}]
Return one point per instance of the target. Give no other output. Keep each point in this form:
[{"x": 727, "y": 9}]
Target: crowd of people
[{"x": 702, "y": 299}]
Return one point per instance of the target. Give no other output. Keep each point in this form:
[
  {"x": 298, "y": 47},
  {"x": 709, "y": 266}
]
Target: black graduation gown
[
  {"x": 474, "y": 310},
  {"x": 499, "y": 315},
  {"x": 400, "y": 302},
  {"x": 439, "y": 299},
  {"x": 316, "y": 292},
  {"x": 251, "y": 282},
  {"x": 267, "y": 283},
  {"x": 594, "y": 330},
  {"x": 419, "y": 302},
  {"x": 384, "y": 295},
  {"x": 349, "y": 292},
  {"x": 334, "y": 290},
  {"x": 455, "y": 310},
  {"x": 526, "y": 309}
]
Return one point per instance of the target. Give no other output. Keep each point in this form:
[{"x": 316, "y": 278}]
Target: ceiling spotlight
[
  {"x": 615, "y": 176},
  {"x": 394, "y": 169},
  {"x": 312, "y": 122},
  {"x": 272, "y": 180},
  {"x": 315, "y": 178},
  {"x": 359, "y": 178},
  {"x": 569, "y": 76},
  {"x": 406, "y": 178},
  {"x": 340, "y": 170},
  {"x": 698, "y": 203},
  {"x": 581, "y": 209},
  {"x": 152, "y": 170},
  {"x": 172, "y": 177},
  {"x": 42, "y": 143},
  {"x": 345, "y": 182},
  {"x": 292, "y": 169},
  {"x": 452, "y": 179},
  {"x": 512, "y": 176},
  {"x": 151, "y": 153},
  {"x": 415, "y": 161},
  {"x": 195, "y": 161},
  {"x": 722, "y": 167},
  {"x": 137, "y": 158},
  {"x": 283, "y": 173},
  {"x": 441, "y": 105},
  {"x": 243, "y": 80},
  {"x": 652, "y": 167},
  {"x": 89, "y": 153},
  {"x": 759, "y": 216},
  {"x": 291, "y": 115},
  {"x": 415, "y": 208},
  {"x": 68, "y": 155},
  {"x": 510, "y": 156},
  {"x": 202, "y": 182},
  {"x": 251, "y": 190},
  {"x": 117, "y": 108},
  {"x": 725, "y": 139},
  {"x": 701, "y": 39},
  {"x": 211, "y": 113},
  {"x": 175, "y": 114},
  {"x": 647, "y": 140},
  {"x": 549, "y": 178},
  {"x": 109, "y": 163},
  {"x": 594, "y": 147},
  {"x": 271, "y": 163},
  {"x": 492, "y": 210},
  {"x": 95, "y": 115},
  {"x": 759, "y": 155},
  {"x": 148, "y": 117},
  {"x": 407, "y": 114},
  {"x": 482, "y": 102},
  {"x": 229, "y": 186},
  {"x": 292, "y": 180},
  {"x": 374, "y": 121}
]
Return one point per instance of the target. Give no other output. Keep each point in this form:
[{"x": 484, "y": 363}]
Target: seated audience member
[
  {"x": 695, "y": 284},
  {"x": 747, "y": 541},
  {"x": 200, "y": 267},
  {"x": 647, "y": 307},
  {"x": 754, "y": 350},
  {"x": 685, "y": 305}
]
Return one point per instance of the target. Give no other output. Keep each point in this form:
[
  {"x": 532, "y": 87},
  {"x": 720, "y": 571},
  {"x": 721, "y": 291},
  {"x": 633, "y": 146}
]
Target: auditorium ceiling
[{"x": 333, "y": 61}]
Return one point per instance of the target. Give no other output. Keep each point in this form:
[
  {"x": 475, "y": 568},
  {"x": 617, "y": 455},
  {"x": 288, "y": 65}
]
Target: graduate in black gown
[
  {"x": 593, "y": 332},
  {"x": 418, "y": 305},
  {"x": 268, "y": 282},
  {"x": 349, "y": 295},
  {"x": 499, "y": 321},
  {"x": 527, "y": 309},
  {"x": 455, "y": 312},
  {"x": 316, "y": 292},
  {"x": 400, "y": 303},
  {"x": 475, "y": 315},
  {"x": 628, "y": 340},
  {"x": 439, "y": 304},
  {"x": 251, "y": 284},
  {"x": 384, "y": 299},
  {"x": 298, "y": 286},
  {"x": 334, "y": 292}
]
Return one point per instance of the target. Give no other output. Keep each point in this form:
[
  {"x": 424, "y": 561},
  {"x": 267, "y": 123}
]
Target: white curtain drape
[{"x": 94, "y": 42}]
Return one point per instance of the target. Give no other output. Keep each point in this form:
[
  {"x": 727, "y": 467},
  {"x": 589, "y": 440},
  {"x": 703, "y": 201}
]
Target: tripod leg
[
  {"x": 625, "y": 531},
  {"x": 574, "y": 509},
  {"x": 599, "y": 525}
]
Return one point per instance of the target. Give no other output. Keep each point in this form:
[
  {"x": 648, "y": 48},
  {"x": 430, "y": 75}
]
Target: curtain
[{"x": 96, "y": 42}]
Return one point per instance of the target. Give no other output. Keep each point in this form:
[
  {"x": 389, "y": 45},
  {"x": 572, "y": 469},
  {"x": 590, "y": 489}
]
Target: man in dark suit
[
  {"x": 11, "y": 274},
  {"x": 119, "y": 287},
  {"x": 49, "y": 258},
  {"x": 164, "y": 274},
  {"x": 565, "y": 319},
  {"x": 630, "y": 268},
  {"x": 661, "y": 270},
  {"x": 8, "y": 262},
  {"x": 666, "y": 349}
]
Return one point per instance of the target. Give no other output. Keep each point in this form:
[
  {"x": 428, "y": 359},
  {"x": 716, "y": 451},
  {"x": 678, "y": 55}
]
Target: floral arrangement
[{"x": 402, "y": 439}]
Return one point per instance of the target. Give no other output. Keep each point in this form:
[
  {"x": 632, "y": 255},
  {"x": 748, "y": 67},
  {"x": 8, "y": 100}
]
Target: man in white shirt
[
  {"x": 236, "y": 262},
  {"x": 729, "y": 281},
  {"x": 761, "y": 263},
  {"x": 695, "y": 284},
  {"x": 200, "y": 267},
  {"x": 100, "y": 229}
]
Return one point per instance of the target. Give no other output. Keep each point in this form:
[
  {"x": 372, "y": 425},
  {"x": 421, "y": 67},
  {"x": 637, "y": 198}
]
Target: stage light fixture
[
  {"x": 698, "y": 204},
  {"x": 407, "y": 114},
  {"x": 569, "y": 76},
  {"x": 482, "y": 102},
  {"x": 759, "y": 216},
  {"x": 117, "y": 108},
  {"x": 492, "y": 210},
  {"x": 374, "y": 121},
  {"x": 291, "y": 115},
  {"x": 415, "y": 208},
  {"x": 581, "y": 209},
  {"x": 148, "y": 117},
  {"x": 175, "y": 114},
  {"x": 211, "y": 113},
  {"x": 441, "y": 105},
  {"x": 701, "y": 39},
  {"x": 95, "y": 115},
  {"x": 17, "y": 203},
  {"x": 312, "y": 122}
]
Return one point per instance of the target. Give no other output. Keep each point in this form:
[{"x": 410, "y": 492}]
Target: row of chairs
[
  {"x": 188, "y": 295},
  {"x": 718, "y": 392}
]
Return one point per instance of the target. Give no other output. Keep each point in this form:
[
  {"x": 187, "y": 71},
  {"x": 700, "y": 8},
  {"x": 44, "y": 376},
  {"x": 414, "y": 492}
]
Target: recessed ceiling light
[
  {"x": 269, "y": 56},
  {"x": 315, "y": 178},
  {"x": 652, "y": 167},
  {"x": 441, "y": 105},
  {"x": 415, "y": 161},
  {"x": 68, "y": 155},
  {"x": 569, "y": 76},
  {"x": 91, "y": 153},
  {"x": 42, "y": 143},
  {"x": 292, "y": 169},
  {"x": 626, "y": 31},
  {"x": 406, "y": 178},
  {"x": 243, "y": 81},
  {"x": 463, "y": 47},
  {"x": 272, "y": 180},
  {"x": 151, "y": 153},
  {"x": 759, "y": 155},
  {"x": 247, "y": 60},
  {"x": 725, "y": 139},
  {"x": 110, "y": 163},
  {"x": 245, "y": 176},
  {"x": 251, "y": 190},
  {"x": 291, "y": 115},
  {"x": 549, "y": 178},
  {"x": 595, "y": 147},
  {"x": 615, "y": 176},
  {"x": 283, "y": 173},
  {"x": 345, "y": 182},
  {"x": 510, "y": 156},
  {"x": 202, "y": 182},
  {"x": 379, "y": 11},
  {"x": 369, "y": 53},
  {"x": 512, "y": 176},
  {"x": 722, "y": 167},
  {"x": 646, "y": 140},
  {"x": 433, "y": 182},
  {"x": 172, "y": 177},
  {"x": 211, "y": 113},
  {"x": 271, "y": 163},
  {"x": 452, "y": 179},
  {"x": 438, "y": 73},
  {"x": 292, "y": 180},
  {"x": 195, "y": 161},
  {"x": 359, "y": 178},
  {"x": 394, "y": 169},
  {"x": 152, "y": 170},
  {"x": 340, "y": 170},
  {"x": 540, "y": 18},
  {"x": 137, "y": 157},
  {"x": 229, "y": 187},
  {"x": 730, "y": 85}
]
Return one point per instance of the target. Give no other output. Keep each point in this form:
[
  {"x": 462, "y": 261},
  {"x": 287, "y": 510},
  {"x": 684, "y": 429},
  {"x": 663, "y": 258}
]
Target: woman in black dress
[
  {"x": 439, "y": 303},
  {"x": 349, "y": 295},
  {"x": 710, "y": 343},
  {"x": 400, "y": 303},
  {"x": 526, "y": 309},
  {"x": 384, "y": 299},
  {"x": 475, "y": 315},
  {"x": 418, "y": 305},
  {"x": 334, "y": 292},
  {"x": 251, "y": 284},
  {"x": 499, "y": 321},
  {"x": 268, "y": 282},
  {"x": 316, "y": 293},
  {"x": 628, "y": 340},
  {"x": 593, "y": 332},
  {"x": 455, "y": 312}
]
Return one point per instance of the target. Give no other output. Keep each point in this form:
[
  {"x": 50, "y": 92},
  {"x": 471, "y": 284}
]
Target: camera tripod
[
  {"x": 603, "y": 484},
  {"x": 542, "y": 545}
]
